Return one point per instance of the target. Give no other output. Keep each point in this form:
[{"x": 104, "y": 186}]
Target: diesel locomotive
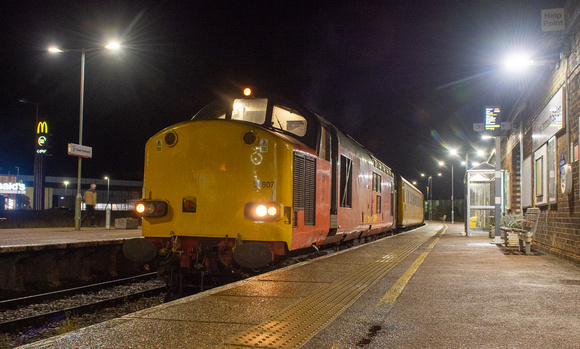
[{"x": 248, "y": 181}]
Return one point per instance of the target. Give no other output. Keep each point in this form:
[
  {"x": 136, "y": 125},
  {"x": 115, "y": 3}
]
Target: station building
[
  {"x": 16, "y": 192},
  {"x": 540, "y": 154}
]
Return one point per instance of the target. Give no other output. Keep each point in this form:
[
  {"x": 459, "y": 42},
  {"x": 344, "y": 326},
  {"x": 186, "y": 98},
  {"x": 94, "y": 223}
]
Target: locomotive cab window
[
  {"x": 377, "y": 181},
  {"x": 345, "y": 181},
  {"x": 288, "y": 121},
  {"x": 324, "y": 146},
  {"x": 250, "y": 110}
]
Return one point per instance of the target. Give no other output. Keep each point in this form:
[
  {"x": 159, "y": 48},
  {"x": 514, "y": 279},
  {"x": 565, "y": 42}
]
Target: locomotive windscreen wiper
[{"x": 344, "y": 197}]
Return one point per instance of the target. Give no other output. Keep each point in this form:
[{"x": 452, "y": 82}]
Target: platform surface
[
  {"x": 13, "y": 239},
  {"x": 431, "y": 287}
]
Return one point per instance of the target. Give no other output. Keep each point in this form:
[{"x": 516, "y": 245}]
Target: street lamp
[
  {"x": 107, "y": 207},
  {"x": 441, "y": 163},
  {"x": 108, "y": 183},
  {"x": 430, "y": 192},
  {"x": 82, "y": 101}
]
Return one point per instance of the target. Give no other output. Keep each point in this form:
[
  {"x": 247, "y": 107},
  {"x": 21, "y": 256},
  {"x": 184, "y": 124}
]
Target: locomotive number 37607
[{"x": 263, "y": 185}]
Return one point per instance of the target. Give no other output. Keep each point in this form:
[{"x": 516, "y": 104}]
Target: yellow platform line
[
  {"x": 391, "y": 296},
  {"x": 294, "y": 326}
]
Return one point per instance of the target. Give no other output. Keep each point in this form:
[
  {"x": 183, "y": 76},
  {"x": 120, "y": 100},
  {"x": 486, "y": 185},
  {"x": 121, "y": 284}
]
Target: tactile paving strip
[{"x": 294, "y": 326}]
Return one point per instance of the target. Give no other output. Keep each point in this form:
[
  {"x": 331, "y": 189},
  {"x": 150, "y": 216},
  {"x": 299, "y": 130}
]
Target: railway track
[{"x": 41, "y": 318}]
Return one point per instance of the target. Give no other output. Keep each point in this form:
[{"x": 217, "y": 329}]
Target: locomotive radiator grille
[
  {"x": 305, "y": 187},
  {"x": 293, "y": 327}
]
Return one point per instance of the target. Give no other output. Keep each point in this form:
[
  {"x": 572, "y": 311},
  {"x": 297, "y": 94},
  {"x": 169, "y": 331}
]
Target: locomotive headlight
[
  {"x": 261, "y": 210},
  {"x": 151, "y": 208},
  {"x": 258, "y": 211}
]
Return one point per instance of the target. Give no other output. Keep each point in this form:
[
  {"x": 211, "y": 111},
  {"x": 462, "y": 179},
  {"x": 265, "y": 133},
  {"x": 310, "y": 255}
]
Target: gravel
[{"x": 72, "y": 322}]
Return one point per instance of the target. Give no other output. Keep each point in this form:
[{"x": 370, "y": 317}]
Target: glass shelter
[{"x": 480, "y": 192}]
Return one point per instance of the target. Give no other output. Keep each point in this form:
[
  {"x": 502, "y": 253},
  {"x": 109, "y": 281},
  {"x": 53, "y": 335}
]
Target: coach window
[
  {"x": 345, "y": 181},
  {"x": 288, "y": 121}
]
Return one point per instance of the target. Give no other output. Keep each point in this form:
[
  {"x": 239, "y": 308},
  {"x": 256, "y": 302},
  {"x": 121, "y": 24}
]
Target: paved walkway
[
  {"x": 441, "y": 290},
  {"x": 12, "y": 238}
]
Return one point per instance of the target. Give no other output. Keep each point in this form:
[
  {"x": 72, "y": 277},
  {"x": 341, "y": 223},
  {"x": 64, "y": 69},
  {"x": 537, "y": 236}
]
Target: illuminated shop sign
[
  {"x": 42, "y": 138},
  {"x": 12, "y": 188},
  {"x": 42, "y": 127}
]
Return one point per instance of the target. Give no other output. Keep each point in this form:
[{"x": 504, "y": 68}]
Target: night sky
[{"x": 404, "y": 78}]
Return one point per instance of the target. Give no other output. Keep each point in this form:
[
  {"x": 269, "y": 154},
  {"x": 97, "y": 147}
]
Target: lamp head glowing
[
  {"x": 518, "y": 62},
  {"x": 114, "y": 45}
]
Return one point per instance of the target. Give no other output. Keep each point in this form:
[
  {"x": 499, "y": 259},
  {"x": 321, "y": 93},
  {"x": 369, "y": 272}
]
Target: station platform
[
  {"x": 429, "y": 287},
  {"x": 16, "y": 240}
]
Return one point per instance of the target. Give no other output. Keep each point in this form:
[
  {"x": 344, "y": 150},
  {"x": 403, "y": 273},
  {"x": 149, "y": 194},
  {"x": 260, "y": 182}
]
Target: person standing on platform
[{"x": 90, "y": 200}]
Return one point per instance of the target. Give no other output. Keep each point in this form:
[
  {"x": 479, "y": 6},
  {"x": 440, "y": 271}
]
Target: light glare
[
  {"x": 261, "y": 211},
  {"x": 113, "y": 46},
  {"x": 518, "y": 62}
]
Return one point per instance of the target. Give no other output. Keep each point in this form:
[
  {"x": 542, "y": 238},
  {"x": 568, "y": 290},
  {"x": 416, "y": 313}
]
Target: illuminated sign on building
[
  {"x": 42, "y": 138},
  {"x": 12, "y": 188},
  {"x": 42, "y": 127}
]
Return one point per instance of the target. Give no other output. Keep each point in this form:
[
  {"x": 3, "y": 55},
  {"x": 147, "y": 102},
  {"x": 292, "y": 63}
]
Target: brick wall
[{"x": 558, "y": 230}]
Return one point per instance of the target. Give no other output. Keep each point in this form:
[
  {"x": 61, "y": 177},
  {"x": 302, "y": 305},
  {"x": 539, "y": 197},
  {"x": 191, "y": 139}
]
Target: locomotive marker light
[
  {"x": 257, "y": 211},
  {"x": 151, "y": 208},
  {"x": 113, "y": 46}
]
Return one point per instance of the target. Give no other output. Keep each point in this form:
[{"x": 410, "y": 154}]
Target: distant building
[{"x": 16, "y": 192}]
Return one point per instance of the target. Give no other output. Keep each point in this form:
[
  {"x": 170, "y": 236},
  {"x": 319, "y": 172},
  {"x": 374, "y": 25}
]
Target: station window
[{"x": 345, "y": 181}]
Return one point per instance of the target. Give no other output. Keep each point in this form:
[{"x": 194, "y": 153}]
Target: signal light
[
  {"x": 262, "y": 211},
  {"x": 247, "y": 92}
]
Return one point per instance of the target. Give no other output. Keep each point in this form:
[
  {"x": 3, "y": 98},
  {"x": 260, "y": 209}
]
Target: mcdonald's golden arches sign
[{"x": 43, "y": 138}]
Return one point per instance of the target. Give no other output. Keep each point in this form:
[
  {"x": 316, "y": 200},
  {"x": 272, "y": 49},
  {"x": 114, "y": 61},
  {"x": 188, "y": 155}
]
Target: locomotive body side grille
[
  {"x": 305, "y": 186},
  {"x": 310, "y": 191},
  {"x": 299, "y": 181}
]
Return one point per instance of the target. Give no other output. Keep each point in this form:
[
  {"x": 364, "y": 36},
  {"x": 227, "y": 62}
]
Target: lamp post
[
  {"x": 430, "y": 193},
  {"x": 82, "y": 101},
  {"x": 107, "y": 207},
  {"x": 38, "y": 196},
  {"x": 108, "y": 183}
]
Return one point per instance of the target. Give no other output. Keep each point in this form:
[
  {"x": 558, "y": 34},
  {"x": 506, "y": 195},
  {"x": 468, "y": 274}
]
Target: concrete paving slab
[{"x": 467, "y": 293}]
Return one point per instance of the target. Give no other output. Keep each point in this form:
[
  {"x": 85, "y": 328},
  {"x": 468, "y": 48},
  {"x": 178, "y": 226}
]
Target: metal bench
[{"x": 529, "y": 226}]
